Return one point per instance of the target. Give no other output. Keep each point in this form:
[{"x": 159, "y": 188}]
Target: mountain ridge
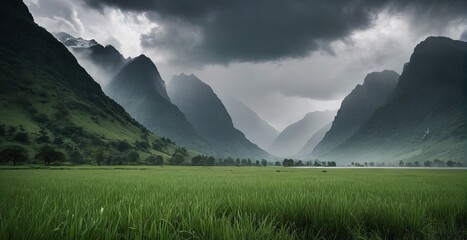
[
  {"x": 49, "y": 99},
  {"x": 425, "y": 117},
  {"x": 253, "y": 126},
  {"x": 357, "y": 107},
  {"x": 209, "y": 117},
  {"x": 291, "y": 140}
]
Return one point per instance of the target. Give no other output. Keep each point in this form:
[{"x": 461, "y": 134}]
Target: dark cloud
[
  {"x": 58, "y": 13},
  {"x": 262, "y": 30}
]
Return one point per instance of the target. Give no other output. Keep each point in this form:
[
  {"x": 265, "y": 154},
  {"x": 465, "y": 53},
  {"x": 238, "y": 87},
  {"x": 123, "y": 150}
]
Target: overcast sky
[{"x": 283, "y": 58}]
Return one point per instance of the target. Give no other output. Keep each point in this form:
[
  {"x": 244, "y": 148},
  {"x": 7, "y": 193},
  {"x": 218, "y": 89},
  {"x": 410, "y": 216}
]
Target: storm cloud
[
  {"x": 263, "y": 30},
  {"x": 281, "y": 58}
]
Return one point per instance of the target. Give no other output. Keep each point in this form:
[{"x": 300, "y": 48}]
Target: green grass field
[{"x": 232, "y": 203}]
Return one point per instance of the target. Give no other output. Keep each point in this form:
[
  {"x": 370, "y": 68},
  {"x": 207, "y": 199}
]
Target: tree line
[{"x": 316, "y": 163}]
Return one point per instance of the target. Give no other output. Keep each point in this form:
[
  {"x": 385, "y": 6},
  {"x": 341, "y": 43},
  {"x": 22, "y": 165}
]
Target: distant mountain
[
  {"x": 73, "y": 42},
  {"x": 139, "y": 88},
  {"x": 209, "y": 117},
  {"x": 246, "y": 120},
  {"x": 291, "y": 140},
  {"x": 47, "y": 98},
  {"x": 425, "y": 118},
  {"x": 102, "y": 62},
  {"x": 312, "y": 142},
  {"x": 357, "y": 108}
]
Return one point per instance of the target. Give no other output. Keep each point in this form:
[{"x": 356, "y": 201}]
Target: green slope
[{"x": 47, "y": 96}]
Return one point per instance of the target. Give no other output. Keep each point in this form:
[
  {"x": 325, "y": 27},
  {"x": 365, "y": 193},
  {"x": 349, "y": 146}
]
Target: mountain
[
  {"x": 246, "y": 120},
  {"x": 291, "y": 140},
  {"x": 425, "y": 117},
  {"x": 139, "y": 88},
  {"x": 357, "y": 108},
  {"x": 73, "y": 42},
  {"x": 47, "y": 98},
  {"x": 207, "y": 114},
  {"x": 101, "y": 62},
  {"x": 312, "y": 142}
]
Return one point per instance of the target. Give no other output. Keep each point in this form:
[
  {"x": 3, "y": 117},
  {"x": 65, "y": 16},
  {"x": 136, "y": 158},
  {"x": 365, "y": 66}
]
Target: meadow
[{"x": 232, "y": 203}]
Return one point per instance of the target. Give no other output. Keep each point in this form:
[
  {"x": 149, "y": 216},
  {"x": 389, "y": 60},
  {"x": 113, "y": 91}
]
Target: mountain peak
[
  {"x": 380, "y": 78},
  {"x": 186, "y": 76},
  {"x": 73, "y": 42},
  {"x": 434, "y": 44}
]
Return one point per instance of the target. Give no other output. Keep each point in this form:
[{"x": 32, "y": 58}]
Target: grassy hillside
[{"x": 46, "y": 98}]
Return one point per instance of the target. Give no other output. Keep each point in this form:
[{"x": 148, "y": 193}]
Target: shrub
[
  {"x": 122, "y": 146},
  {"x": 141, "y": 145},
  {"x": 2, "y": 130},
  {"x": 41, "y": 118},
  {"x": 43, "y": 139},
  {"x": 155, "y": 160},
  {"x": 21, "y": 137},
  {"x": 58, "y": 141}
]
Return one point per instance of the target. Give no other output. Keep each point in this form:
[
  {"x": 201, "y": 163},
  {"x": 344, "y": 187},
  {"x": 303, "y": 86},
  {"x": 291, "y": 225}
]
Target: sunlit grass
[{"x": 232, "y": 203}]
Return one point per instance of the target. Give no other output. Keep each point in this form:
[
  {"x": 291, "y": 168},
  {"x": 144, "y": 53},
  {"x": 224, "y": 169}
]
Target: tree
[
  {"x": 244, "y": 162},
  {"x": 287, "y": 162},
  {"x": 177, "y": 159},
  {"x": 277, "y": 163},
  {"x": 155, "y": 160},
  {"x": 428, "y": 163},
  {"x": 76, "y": 157},
  {"x": 48, "y": 154},
  {"x": 401, "y": 163},
  {"x": 264, "y": 162},
  {"x": 15, "y": 154},
  {"x": 332, "y": 164},
  {"x": 450, "y": 163},
  {"x": 99, "y": 156},
  {"x": 133, "y": 157},
  {"x": 438, "y": 163}
]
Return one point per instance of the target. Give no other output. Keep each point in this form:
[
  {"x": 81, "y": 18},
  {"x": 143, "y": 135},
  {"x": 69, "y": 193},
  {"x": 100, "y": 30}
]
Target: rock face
[
  {"x": 292, "y": 139},
  {"x": 139, "y": 88},
  {"x": 425, "y": 117},
  {"x": 246, "y": 120},
  {"x": 357, "y": 108},
  {"x": 207, "y": 114}
]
